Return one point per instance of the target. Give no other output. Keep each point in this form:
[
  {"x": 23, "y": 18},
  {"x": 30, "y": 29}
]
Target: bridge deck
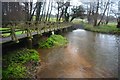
[{"x": 8, "y": 39}]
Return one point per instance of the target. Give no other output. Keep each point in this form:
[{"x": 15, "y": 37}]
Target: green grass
[
  {"x": 0, "y": 69},
  {"x": 8, "y": 34},
  {"x": 53, "y": 40},
  {"x": 4, "y": 28},
  {"x": 52, "y": 19},
  {"x": 14, "y": 70},
  {"x": 14, "y": 62},
  {"x": 110, "y": 28},
  {"x": 112, "y": 23},
  {"x": 78, "y": 21}
]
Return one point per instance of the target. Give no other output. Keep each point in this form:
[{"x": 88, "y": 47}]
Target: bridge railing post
[
  {"x": 28, "y": 30},
  {"x": 13, "y": 34},
  {"x": 53, "y": 25},
  {"x": 29, "y": 35}
]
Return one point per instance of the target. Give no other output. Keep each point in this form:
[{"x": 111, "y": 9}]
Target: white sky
[
  {"x": 54, "y": 11},
  {"x": 75, "y": 3}
]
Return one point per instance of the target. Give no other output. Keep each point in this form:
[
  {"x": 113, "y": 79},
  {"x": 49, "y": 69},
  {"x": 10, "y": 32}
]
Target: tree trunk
[
  {"x": 72, "y": 19},
  {"x": 27, "y": 11},
  {"x": 107, "y": 17},
  {"x": 38, "y": 10},
  {"x": 118, "y": 22},
  {"x": 96, "y": 14},
  {"x": 103, "y": 13},
  {"x": 61, "y": 13},
  {"x": 42, "y": 12},
  {"x": 89, "y": 14},
  {"x": 32, "y": 14},
  {"x": 66, "y": 14},
  {"x": 50, "y": 11},
  {"x": 58, "y": 12},
  {"x": 29, "y": 43}
]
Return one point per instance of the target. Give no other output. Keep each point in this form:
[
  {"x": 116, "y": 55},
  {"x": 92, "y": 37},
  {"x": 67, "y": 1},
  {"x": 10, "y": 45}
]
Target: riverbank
[
  {"x": 87, "y": 55},
  {"x": 108, "y": 29},
  {"x": 53, "y": 41},
  {"x": 23, "y": 62}
]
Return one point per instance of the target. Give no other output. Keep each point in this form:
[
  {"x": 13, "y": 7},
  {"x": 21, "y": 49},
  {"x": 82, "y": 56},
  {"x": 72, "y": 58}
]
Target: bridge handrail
[{"x": 30, "y": 27}]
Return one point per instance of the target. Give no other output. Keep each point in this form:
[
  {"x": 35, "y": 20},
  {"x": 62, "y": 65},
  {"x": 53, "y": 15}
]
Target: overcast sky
[
  {"x": 79, "y": 2},
  {"x": 72, "y": 2},
  {"x": 54, "y": 11}
]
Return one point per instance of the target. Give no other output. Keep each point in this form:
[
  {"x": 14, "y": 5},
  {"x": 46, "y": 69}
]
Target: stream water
[{"x": 87, "y": 55}]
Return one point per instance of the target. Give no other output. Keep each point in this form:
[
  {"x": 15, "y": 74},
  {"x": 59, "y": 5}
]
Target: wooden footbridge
[{"x": 29, "y": 29}]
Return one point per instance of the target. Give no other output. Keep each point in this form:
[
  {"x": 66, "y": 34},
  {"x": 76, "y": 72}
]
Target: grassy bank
[
  {"x": 52, "y": 41},
  {"x": 23, "y": 63},
  {"x": 109, "y": 29},
  {"x": 20, "y": 63}
]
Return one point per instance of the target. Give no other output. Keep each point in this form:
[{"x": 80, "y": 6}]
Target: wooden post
[
  {"x": 66, "y": 29},
  {"x": 29, "y": 43},
  {"x": 52, "y": 32},
  {"x": 29, "y": 37},
  {"x": 13, "y": 35},
  {"x": 118, "y": 22}
]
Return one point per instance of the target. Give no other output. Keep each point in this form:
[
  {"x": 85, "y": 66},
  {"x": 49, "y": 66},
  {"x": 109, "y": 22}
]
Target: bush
[{"x": 53, "y": 40}]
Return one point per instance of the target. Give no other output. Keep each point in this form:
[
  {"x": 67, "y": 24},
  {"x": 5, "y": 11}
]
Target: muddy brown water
[{"x": 87, "y": 55}]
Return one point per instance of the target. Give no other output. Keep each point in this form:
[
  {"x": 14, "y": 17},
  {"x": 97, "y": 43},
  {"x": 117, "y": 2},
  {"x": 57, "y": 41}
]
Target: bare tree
[
  {"x": 50, "y": 11},
  {"x": 39, "y": 6},
  {"x": 104, "y": 12},
  {"x": 62, "y": 8},
  {"x": 42, "y": 13},
  {"x": 96, "y": 13},
  {"x": 12, "y": 12},
  {"x": 58, "y": 10},
  {"x": 77, "y": 11}
]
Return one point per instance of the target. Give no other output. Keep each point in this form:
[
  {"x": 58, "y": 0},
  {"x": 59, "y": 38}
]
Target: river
[{"x": 87, "y": 55}]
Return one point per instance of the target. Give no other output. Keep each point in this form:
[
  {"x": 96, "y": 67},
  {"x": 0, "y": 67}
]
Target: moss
[
  {"x": 53, "y": 40},
  {"x": 14, "y": 62}
]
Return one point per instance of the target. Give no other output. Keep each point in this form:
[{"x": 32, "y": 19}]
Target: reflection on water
[{"x": 87, "y": 55}]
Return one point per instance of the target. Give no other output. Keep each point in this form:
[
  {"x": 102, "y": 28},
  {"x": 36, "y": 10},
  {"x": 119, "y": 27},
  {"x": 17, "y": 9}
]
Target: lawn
[
  {"x": 8, "y": 34},
  {"x": 4, "y": 29}
]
